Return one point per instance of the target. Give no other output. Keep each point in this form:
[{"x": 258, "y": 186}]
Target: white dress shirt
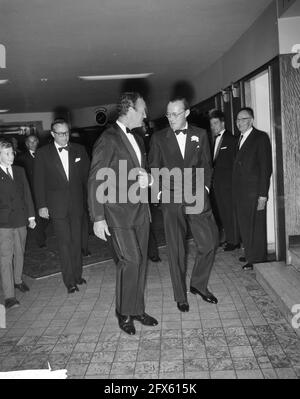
[
  {"x": 32, "y": 153},
  {"x": 181, "y": 140},
  {"x": 9, "y": 169},
  {"x": 245, "y": 136},
  {"x": 217, "y": 142},
  {"x": 133, "y": 142},
  {"x": 64, "y": 157}
]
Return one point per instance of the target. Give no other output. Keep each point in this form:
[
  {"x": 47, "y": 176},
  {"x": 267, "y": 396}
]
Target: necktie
[
  {"x": 240, "y": 140},
  {"x": 184, "y": 131},
  {"x": 9, "y": 174},
  {"x": 216, "y": 149},
  {"x": 63, "y": 148}
]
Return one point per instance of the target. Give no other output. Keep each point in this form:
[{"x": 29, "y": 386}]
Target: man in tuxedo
[
  {"x": 252, "y": 171},
  {"x": 184, "y": 146},
  {"x": 224, "y": 151},
  {"x": 16, "y": 212},
  {"x": 60, "y": 175},
  {"x": 27, "y": 159},
  {"x": 126, "y": 221}
]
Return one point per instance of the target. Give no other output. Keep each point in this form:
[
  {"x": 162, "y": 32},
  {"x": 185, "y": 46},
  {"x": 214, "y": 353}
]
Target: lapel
[
  {"x": 72, "y": 157},
  {"x": 57, "y": 162},
  {"x": 246, "y": 145},
  {"x": 173, "y": 147},
  {"x": 128, "y": 146},
  {"x": 220, "y": 144}
]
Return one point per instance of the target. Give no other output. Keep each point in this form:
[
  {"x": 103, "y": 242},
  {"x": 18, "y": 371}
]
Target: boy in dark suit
[{"x": 16, "y": 211}]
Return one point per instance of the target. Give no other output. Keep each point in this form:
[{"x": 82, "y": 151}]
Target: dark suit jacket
[
  {"x": 16, "y": 204},
  {"x": 26, "y": 160},
  {"x": 252, "y": 168},
  {"x": 112, "y": 147},
  {"x": 52, "y": 188},
  {"x": 165, "y": 152},
  {"x": 223, "y": 162}
]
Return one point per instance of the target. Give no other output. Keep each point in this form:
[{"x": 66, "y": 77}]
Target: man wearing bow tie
[
  {"x": 224, "y": 152},
  {"x": 184, "y": 146},
  {"x": 125, "y": 222},
  {"x": 60, "y": 175}
]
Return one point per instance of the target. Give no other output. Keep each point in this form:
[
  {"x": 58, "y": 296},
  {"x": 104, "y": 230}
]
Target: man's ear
[
  {"x": 52, "y": 134},
  {"x": 187, "y": 112}
]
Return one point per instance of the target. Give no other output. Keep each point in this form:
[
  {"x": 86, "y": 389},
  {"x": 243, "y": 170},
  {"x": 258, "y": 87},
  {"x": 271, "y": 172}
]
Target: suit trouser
[
  {"x": 68, "y": 234},
  {"x": 252, "y": 226},
  {"x": 12, "y": 248},
  {"x": 130, "y": 246},
  {"x": 205, "y": 234},
  {"x": 40, "y": 230}
]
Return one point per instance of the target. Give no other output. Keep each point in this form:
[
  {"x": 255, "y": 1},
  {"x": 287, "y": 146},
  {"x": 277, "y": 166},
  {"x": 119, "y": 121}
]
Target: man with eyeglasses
[
  {"x": 252, "y": 171},
  {"x": 117, "y": 217},
  {"x": 60, "y": 176},
  {"x": 182, "y": 146}
]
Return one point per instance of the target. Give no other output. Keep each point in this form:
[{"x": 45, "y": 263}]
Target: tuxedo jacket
[
  {"x": 224, "y": 159},
  {"x": 16, "y": 204},
  {"x": 252, "y": 167},
  {"x": 107, "y": 196},
  {"x": 165, "y": 152},
  {"x": 52, "y": 188}
]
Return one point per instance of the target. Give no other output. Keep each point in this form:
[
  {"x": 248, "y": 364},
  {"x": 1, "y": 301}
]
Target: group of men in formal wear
[{"x": 236, "y": 175}]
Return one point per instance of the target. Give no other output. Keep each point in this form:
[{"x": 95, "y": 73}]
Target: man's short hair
[
  {"x": 180, "y": 98},
  {"x": 249, "y": 110},
  {"x": 216, "y": 114},
  {"x": 4, "y": 143},
  {"x": 58, "y": 121},
  {"x": 31, "y": 135},
  {"x": 126, "y": 101}
]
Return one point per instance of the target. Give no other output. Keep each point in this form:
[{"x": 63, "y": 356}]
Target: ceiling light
[
  {"x": 3, "y": 81},
  {"x": 2, "y": 111},
  {"x": 112, "y": 77}
]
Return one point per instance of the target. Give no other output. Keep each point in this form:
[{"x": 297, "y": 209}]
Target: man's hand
[
  {"x": 261, "y": 203},
  {"x": 143, "y": 179},
  {"x": 100, "y": 229},
  {"x": 32, "y": 223},
  {"x": 44, "y": 213}
]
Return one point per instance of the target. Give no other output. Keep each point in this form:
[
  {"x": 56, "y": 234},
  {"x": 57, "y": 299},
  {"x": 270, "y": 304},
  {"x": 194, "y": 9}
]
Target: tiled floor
[{"x": 244, "y": 336}]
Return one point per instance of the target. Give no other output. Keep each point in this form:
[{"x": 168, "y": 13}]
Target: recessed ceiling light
[
  {"x": 3, "y": 81},
  {"x": 2, "y": 111},
  {"x": 112, "y": 77}
]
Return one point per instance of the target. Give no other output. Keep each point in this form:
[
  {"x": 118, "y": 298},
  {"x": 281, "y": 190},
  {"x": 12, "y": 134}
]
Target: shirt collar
[
  {"x": 5, "y": 167},
  {"x": 247, "y": 132},
  {"x": 122, "y": 126},
  {"x": 58, "y": 146},
  {"x": 185, "y": 127}
]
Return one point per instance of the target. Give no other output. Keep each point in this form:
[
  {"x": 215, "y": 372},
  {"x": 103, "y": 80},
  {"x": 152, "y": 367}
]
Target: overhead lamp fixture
[
  {"x": 114, "y": 77},
  {"x": 235, "y": 90},
  {"x": 226, "y": 95},
  {"x": 3, "y": 81},
  {"x": 3, "y": 111}
]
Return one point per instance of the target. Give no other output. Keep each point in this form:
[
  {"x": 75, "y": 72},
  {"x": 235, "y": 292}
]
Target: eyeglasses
[
  {"x": 242, "y": 119},
  {"x": 62, "y": 134},
  {"x": 174, "y": 115}
]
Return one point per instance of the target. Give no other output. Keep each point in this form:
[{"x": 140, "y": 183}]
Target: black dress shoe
[
  {"x": 231, "y": 247},
  {"x": 155, "y": 258},
  {"x": 22, "y": 287},
  {"x": 81, "y": 281},
  {"x": 126, "y": 324},
  {"x": 11, "y": 303},
  {"x": 72, "y": 289},
  {"x": 183, "y": 306},
  {"x": 146, "y": 320},
  {"x": 248, "y": 266},
  {"x": 209, "y": 297},
  {"x": 242, "y": 259}
]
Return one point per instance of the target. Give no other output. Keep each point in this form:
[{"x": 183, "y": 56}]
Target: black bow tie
[
  {"x": 128, "y": 130},
  {"x": 184, "y": 131},
  {"x": 63, "y": 148}
]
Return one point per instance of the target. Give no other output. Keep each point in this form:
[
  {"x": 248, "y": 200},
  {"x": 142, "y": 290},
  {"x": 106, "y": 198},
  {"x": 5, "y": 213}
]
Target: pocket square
[
  {"x": 77, "y": 160},
  {"x": 223, "y": 148},
  {"x": 195, "y": 138}
]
